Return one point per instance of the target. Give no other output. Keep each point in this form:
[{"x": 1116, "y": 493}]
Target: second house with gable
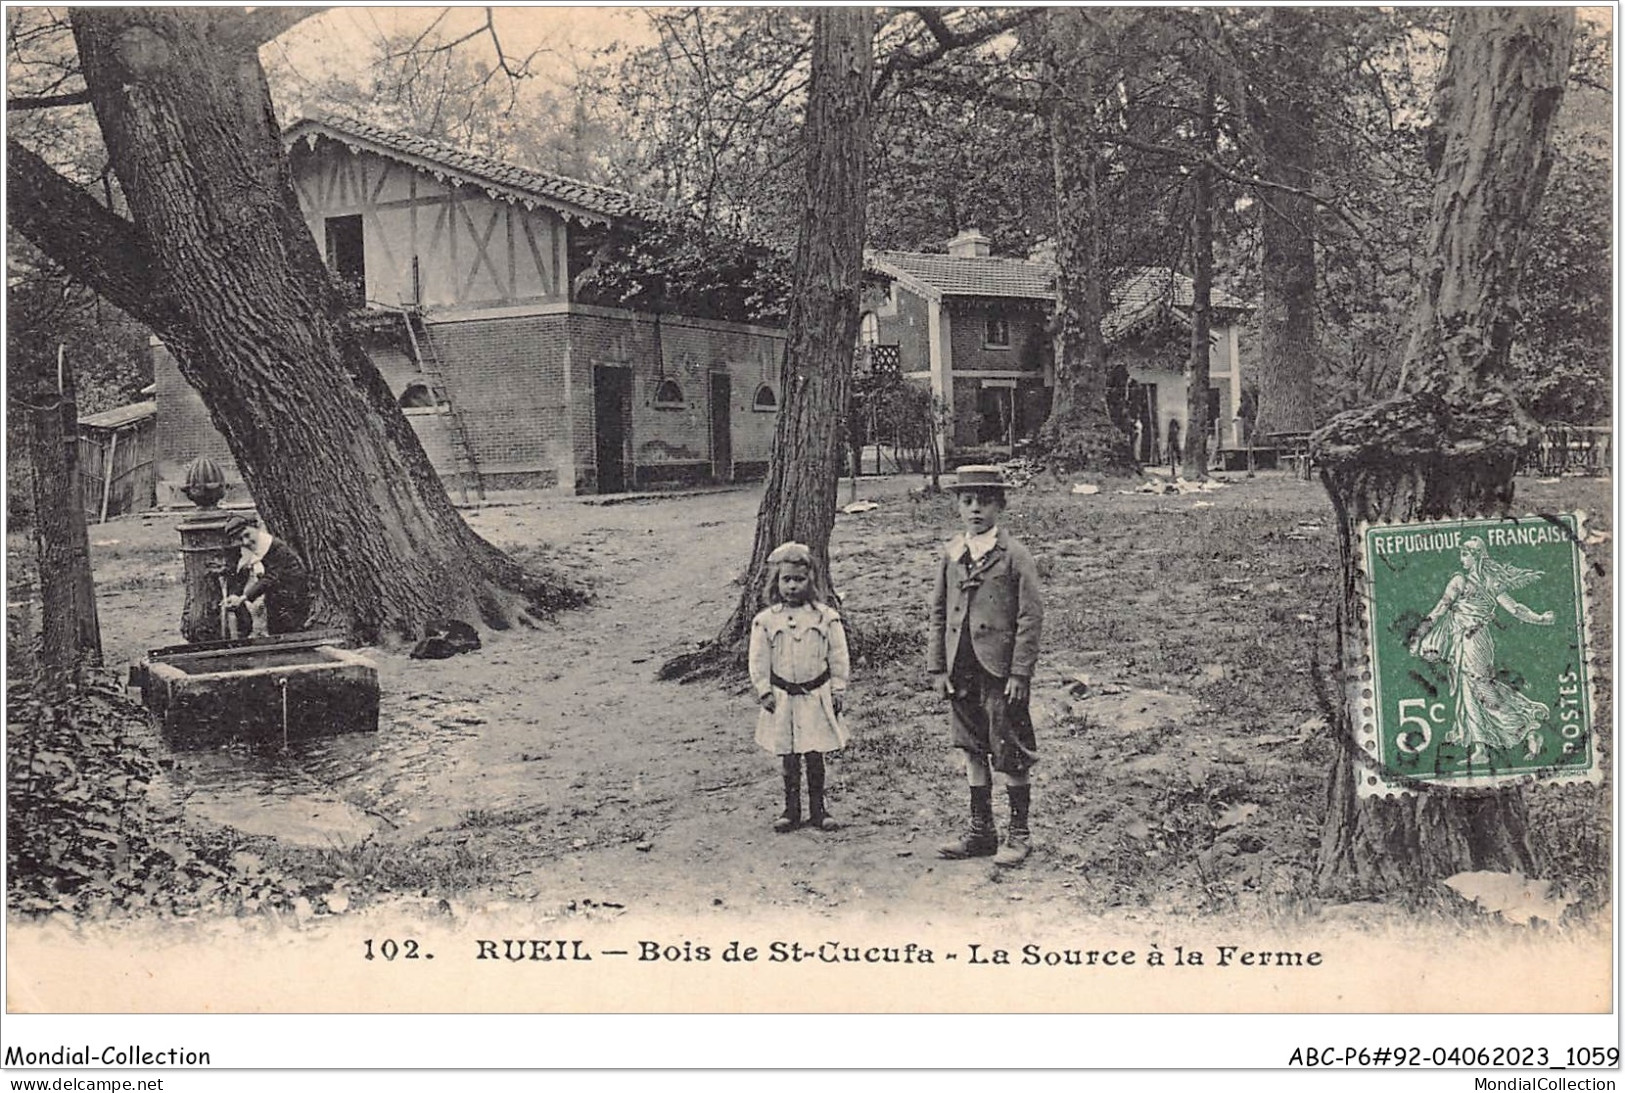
[{"x": 977, "y": 329}]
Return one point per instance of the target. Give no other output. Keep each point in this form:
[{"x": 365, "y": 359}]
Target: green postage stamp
[{"x": 1476, "y": 671}]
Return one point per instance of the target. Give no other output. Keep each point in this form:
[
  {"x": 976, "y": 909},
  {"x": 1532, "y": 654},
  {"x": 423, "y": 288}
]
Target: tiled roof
[
  {"x": 939, "y": 275},
  {"x": 120, "y": 416},
  {"x": 583, "y": 200},
  {"x": 1155, "y": 284},
  {"x": 1148, "y": 289},
  {"x": 946, "y": 275}
]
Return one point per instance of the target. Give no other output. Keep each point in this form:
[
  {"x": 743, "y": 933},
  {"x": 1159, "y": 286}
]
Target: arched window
[
  {"x": 668, "y": 396},
  {"x": 417, "y": 396},
  {"x": 869, "y": 329},
  {"x": 765, "y": 401}
]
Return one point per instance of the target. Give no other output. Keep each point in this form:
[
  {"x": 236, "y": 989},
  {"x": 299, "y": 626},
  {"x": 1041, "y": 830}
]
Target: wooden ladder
[{"x": 428, "y": 362}]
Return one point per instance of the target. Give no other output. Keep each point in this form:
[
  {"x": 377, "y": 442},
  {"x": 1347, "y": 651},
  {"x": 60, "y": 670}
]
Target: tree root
[
  {"x": 1084, "y": 442},
  {"x": 713, "y": 660}
]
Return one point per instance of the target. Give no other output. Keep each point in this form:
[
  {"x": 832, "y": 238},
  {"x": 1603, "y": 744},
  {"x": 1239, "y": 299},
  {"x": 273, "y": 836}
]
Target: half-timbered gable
[
  {"x": 405, "y": 237},
  {"x": 419, "y": 222}
]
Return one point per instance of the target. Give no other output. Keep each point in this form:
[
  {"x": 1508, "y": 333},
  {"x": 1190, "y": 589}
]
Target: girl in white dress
[{"x": 799, "y": 668}]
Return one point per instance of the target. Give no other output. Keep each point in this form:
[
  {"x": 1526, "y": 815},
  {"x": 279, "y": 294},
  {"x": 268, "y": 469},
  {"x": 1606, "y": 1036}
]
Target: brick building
[
  {"x": 466, "y": 269},
  {"x": 976, "y": 328}
]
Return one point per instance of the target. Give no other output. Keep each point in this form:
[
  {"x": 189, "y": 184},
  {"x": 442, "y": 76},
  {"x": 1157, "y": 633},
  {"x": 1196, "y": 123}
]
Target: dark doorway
[
  {"x": 347, "y": 256},
  {"x": 612, "y": 423},
  {"x": 722, "y": 434},
  {"x": 995, "y": 407}
]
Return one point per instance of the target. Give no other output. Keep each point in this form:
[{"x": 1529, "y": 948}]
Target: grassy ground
[
  {"x": 1196, "y": 786},
  {"x": 1201, "y": 786}
]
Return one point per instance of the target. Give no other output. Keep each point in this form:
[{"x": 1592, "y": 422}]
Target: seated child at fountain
[
  {"x": 273, "y": 573},
  {"x": 799, "y": 667}
]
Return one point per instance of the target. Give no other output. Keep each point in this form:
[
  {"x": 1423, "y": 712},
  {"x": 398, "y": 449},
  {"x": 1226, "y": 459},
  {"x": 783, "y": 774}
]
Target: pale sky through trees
[{"x": 342, "y": 40}]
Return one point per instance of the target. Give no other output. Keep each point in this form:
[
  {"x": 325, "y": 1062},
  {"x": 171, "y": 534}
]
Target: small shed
[{"x": 116, "y": 460}]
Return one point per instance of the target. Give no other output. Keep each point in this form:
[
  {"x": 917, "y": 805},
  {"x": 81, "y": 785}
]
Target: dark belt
[{"x": 806, "y": 688}]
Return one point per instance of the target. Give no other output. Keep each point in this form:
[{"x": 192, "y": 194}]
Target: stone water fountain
[{"x": 219, "y": 688}]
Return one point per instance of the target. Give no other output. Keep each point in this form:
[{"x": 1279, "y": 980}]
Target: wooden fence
[
  {"x": 117, "y": 469},
  {"x": 1571, "y": 449}
]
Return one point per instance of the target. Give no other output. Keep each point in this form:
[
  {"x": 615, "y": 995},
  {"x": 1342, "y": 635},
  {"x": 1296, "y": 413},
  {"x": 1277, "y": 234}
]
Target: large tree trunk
[
  {"x": 219, "y": 262},
  {"x": 1079, "y": 433},
  {"x": 1193, "y": 465},
  {"x": 70, "y": 635},
  {"x": 1449, "y": 442},
  {"x": 1284, "y": 121},
  {"x": 804, "y": 464}
]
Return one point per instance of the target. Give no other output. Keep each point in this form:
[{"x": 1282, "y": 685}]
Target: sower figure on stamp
[
  {"x": 799, "y": 667},
  {"x": 1460, "y": 631},
  {"x": 986, "y": 615}
]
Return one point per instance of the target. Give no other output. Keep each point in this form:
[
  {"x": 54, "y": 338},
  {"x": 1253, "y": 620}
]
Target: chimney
[{"x": 970, "y": 243}]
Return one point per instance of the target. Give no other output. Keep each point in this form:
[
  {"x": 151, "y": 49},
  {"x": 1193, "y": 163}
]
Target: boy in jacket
[{"x": 986, "y": 614}]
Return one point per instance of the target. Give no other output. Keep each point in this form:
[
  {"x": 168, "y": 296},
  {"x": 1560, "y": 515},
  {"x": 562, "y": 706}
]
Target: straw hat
[{"x": 976, "y": 476}]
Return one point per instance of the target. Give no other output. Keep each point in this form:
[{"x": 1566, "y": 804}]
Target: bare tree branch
[
  {"x": 469, "y": 37},
  {"x": 46, "y": 102},
  {"x": 254, "y": 28},
  {"x": 514, "y": 74},
  {"x": 97, "y": 246},
  {"x": 945, "y": 40},
  {"x": 1186, "y": 158},
  {"x": 423, "y": 36},
  {"x": 415, "y": 55}
]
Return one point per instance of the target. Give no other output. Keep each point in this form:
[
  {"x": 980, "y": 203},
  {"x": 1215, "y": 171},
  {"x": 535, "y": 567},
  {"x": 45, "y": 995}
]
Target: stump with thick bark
[
  {"x": 1410, "y": 458},
  {"x": 70, "y": 636}
]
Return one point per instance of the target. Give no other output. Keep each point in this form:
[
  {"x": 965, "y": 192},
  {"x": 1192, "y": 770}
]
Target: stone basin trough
[{"x": 259, "y": 690}]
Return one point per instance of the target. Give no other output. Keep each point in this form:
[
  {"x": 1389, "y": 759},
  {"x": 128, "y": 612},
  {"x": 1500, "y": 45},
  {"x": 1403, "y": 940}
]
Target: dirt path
[
  {"x": 554, "y": 759},
  {"x": 668, "y": 801}
]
